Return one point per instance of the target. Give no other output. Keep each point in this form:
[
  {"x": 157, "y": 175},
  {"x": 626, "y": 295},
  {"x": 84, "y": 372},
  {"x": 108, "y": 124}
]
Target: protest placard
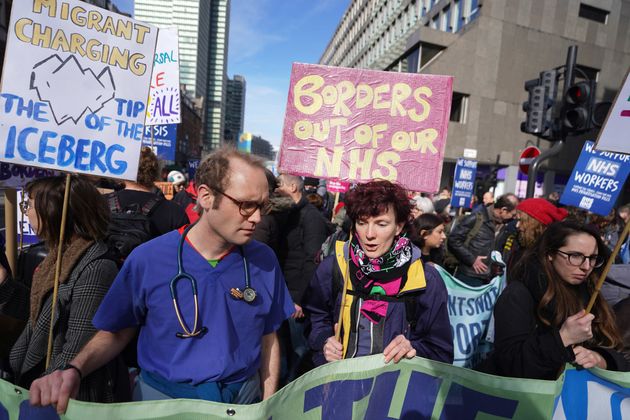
[
  {"x": 613, "y": 136},
  {"x": 464, "y": 183},
  {"x": 337, "y": 186},
  {"x": 74, "y": 88},
  {"x": 17, "y": 176},
  {"x": 162, "y": 138},
  {"x": 164, "y": 101},
  {"x": 597, "y": 180},
  {"x": 24, "y": 228},
  {"x": 355, "y": 125}
]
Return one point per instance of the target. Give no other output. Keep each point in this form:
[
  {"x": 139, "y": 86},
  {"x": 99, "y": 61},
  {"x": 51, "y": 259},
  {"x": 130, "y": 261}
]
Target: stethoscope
[{"x": 248, "y": 294}]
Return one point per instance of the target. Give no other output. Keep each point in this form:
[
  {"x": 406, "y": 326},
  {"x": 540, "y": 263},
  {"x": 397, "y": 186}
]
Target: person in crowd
[
  {"x": 303, "y": 234},
  {"x": 316, "y": 200},
  {"x": 554, "y": 198},
  {"x": 533, "y": 215},
  {"x": 609, "y": 226},
  {"x": 443, "y": 209},
  {"x": 445, "y": 194},
  {"x": 178, "y": 180},
  {"x": 268, "y": 231},
  {"x": 185, "y": 290},
  {"x": 85, "y": 277},
  {"x": 624, "y": 213},
  {"x": 187, "y": 200},
  {"x": 540, "y": 319},
  {"x": 420, "y": 206},
  {"x": 429, "y": 237},
  {"x": 164, "y": 215},
  {"x": 394, "y": 304},
  {"x": 487, "y": 199},
  {"x": 473, "y": 239}
]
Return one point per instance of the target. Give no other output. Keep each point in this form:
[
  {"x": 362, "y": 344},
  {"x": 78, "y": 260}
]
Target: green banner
[{"x": 357, "y": 388}]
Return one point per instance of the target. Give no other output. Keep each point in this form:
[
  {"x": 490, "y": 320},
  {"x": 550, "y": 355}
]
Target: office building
[
  {"x": 234, "y": 108},
  {"x": 491, "y": 47}
]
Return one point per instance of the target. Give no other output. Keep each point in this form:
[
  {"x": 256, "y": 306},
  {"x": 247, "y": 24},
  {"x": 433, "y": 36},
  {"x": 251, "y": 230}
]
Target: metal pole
[{"x": 559, "y": 144}]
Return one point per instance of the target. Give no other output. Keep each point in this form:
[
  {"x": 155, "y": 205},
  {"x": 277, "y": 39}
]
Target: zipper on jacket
[{"x": 356, "y": 340}]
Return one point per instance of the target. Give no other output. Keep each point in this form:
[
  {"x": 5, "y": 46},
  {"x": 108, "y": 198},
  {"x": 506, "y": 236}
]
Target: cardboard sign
[
  {"x": 74, "y": 89},
  {"x": 596, "y": 180},
  {"x": 193, "y": 164},
  {"x": 356, "y": 125},
  {"x": 164, "y": 101},
  {"x": 613, "y": 136},
  {"x": 164, "y": 140},
  {"x": 24, "y": 227},
  {"x": 464, "y": 183}
]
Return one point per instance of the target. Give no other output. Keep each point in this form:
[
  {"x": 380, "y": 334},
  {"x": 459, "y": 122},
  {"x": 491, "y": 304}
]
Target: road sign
[{"x": 527, "y": 157}]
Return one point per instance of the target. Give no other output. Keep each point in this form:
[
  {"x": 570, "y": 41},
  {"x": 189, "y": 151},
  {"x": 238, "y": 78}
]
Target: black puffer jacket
[
  {"x": 481, "y": 244},
  {"x": 303, "y": 232}
]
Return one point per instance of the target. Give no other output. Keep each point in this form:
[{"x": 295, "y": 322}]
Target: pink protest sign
[
  {"x": 356, "y": 125},
  {"x": 337, "y": 186}
]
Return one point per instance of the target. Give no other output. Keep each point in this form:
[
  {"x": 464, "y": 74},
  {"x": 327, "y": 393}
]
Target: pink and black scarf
[{"x": 384, "y": 276}]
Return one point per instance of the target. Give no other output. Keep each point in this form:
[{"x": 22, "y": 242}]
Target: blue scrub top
[{"x": 230, "y": 351}]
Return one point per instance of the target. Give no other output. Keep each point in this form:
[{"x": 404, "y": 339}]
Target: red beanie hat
[{"x": 542, "y": 210}]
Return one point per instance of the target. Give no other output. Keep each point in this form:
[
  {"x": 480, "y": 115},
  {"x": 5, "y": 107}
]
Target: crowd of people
[{"x": 244, "y": 281}]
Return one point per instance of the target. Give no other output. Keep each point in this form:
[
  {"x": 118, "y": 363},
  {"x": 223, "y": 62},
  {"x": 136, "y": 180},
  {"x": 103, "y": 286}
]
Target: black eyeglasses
[
  {"x": 246, "y": 208},
  {"x": 576, "y": 259}
]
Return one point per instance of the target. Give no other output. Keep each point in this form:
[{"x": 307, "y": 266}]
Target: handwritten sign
[
  {"x": 337, "y": 186},
  {"x": 597, "y": 180},
  {"x": 355, "y": 125},
  {"x": 75, "y": 84},
  {"x": 164, "y": 100}
]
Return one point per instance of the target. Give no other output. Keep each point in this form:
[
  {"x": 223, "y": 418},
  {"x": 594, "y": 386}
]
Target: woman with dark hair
[
  {"x": 86, "y": 275},
  {"x": 429, "y": 236},
  {"x": 540, "y": 319},
  {"x": 393, "y": 303}
]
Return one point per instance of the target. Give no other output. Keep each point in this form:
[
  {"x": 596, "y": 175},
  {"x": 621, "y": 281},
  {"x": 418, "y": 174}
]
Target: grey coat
[{"x": 78, "y": 300}]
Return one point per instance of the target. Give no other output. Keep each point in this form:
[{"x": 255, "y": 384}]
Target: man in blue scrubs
[{"x": 212, "y": 349}]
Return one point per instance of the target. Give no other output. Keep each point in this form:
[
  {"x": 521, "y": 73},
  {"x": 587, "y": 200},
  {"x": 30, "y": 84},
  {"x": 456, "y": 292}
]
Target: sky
[{"x": 266, "y": 37}]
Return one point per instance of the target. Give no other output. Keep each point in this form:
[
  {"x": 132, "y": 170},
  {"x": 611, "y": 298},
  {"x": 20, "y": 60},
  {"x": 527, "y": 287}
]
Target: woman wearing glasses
[
  {"x": 86, "y": 275},
  {"x": 540, "y": 319}
]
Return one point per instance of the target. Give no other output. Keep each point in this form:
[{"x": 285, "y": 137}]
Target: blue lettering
[
  {"x": 463, "y": 339},
  {"x": 96, "y": 155},
  {"x": 22, "y": 150},
  {"x": 9, "y": 151},
  {"x": 92, "y": 122},
  {"x": 463, "y": 403},
  {"x": 336, "y": 398},
  {"x": 45, "y": 148},
  {"x": 420, "y": 396},
  {"x": 39, "y": 113},
  {"x": 81, "y": 154},
  {"x": 121, "y": 165},
  {"x": 5, "y": 171},
  {"x": 28, "y": 411},
  {"x": 65, "y": 154}
]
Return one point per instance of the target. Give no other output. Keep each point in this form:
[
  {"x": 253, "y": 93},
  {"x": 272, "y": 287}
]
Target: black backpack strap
[
  {"x": 337, "y": 280},
  {"x": 150, "y": 205}
]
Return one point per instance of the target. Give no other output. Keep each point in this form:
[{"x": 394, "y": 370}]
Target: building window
[
  {"x": 459, "y": 107},
  {"x": 428, "y": 52},
  {"x": 593, "y": 13}
]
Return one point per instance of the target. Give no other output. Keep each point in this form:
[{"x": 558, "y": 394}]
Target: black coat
[
  {"x": 303, "y": 231},
  {"x": 481, "y": 244},
  {"x": 527, "y": 348}
]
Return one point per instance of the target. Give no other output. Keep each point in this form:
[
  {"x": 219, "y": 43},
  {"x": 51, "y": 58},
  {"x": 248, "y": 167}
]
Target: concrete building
[
  {"x": 203, "y": 32},
  {"x": 189, "y": 144},
  {"x": 262, "y": 148},
  {"x": 212, "y": 67},
  {"x": 183, "y": 14},
  {"x": 234, "y": 108},
  {"x": 491, "y": 47}
]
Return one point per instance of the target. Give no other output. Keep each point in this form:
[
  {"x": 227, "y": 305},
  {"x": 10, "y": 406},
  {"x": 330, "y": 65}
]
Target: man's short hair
[
  {"x": 293, "y": 179},
  {"x": 214, "y": 171},
  {"x": 508, "y": 200}
]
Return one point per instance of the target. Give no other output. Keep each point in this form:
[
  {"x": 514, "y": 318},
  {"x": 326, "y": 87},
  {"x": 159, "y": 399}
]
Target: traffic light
[
  {"x": 579, "y": 100},
  {"x": 539, "y": 106},
  {"x": 534, "y": 107}
]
